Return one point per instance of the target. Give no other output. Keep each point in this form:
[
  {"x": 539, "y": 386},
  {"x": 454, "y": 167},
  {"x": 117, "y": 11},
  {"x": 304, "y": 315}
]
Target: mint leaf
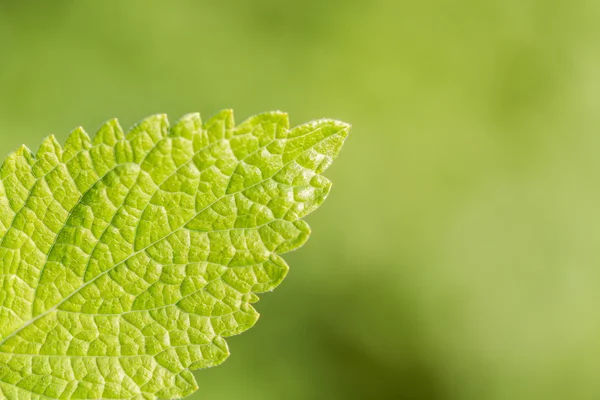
[{"x": 127, "y": 258}]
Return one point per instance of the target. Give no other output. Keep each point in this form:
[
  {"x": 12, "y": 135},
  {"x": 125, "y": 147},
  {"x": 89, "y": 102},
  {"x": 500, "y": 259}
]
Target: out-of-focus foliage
[{"x": 463, "y": 226}]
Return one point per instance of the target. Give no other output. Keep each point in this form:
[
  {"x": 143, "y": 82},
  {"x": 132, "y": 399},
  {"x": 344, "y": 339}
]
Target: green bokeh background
[{"x": 458, "y": 254}]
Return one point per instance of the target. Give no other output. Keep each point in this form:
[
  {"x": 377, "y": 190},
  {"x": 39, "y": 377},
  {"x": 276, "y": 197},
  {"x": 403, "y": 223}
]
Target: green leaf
[{"x": 127, "y": 258}]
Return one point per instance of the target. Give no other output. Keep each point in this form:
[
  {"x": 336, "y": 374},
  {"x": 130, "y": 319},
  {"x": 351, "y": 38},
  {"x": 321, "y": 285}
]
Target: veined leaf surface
[{"x": 126, "y": 259}]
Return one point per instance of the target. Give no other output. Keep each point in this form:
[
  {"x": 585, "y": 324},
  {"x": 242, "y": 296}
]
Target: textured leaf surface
[{"x": 127, "y": 258}]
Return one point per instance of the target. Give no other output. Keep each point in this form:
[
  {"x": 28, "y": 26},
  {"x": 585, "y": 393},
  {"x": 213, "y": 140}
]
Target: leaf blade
[{"x": 130, "y": 256}]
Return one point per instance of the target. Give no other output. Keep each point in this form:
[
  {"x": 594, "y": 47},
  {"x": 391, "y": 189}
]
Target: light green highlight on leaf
[{"x": 126, "y": 259}]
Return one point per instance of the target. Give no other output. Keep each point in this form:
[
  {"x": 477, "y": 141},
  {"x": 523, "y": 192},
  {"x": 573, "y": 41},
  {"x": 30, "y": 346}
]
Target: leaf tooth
[
  {"x": 156, "y": 126},
  {"x": 187, "y": 126},
  {"x": 145, "y": 135},
  {"x": 48, "y": 156},
  {"x": 25, "y": 152},
  {"x": 220, "y": 126},
  {"x": 17, "y": 176},
  {"x": 18, "y": 162},
  {"x": 277, "y": 120},
  {"x": 109, "y": 133},
  {"x": 226, "y": 115},
  {"x": 49, "y": 145},
  {"x": 77, "y": 141}
]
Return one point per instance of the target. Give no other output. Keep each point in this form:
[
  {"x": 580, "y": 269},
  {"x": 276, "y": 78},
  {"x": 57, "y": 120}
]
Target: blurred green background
[{"x": 457, "y": 256}]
